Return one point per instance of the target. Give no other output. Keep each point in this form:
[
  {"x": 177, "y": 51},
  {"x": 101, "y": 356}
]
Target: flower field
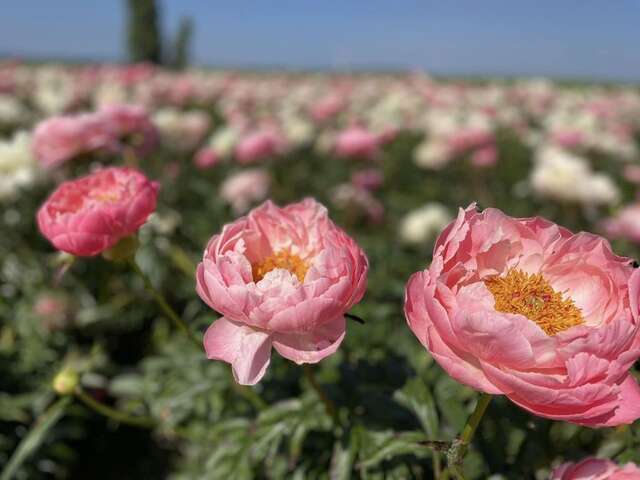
[{"x": 216, "y": 274}]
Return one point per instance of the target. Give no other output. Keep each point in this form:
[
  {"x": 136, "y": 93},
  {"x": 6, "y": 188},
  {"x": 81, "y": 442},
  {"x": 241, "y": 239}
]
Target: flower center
[
  {"x": 282, "y": 259},
  {"x": 532, "y": 296}
]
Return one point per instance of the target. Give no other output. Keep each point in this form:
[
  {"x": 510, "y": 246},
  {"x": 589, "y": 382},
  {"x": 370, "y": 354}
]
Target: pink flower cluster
[{"x": 60, "y": 139}]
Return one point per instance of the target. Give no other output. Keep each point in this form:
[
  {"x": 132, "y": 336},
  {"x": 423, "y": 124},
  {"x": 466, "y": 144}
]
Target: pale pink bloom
[
  {"x": 49, "y": 305},
  {"x": 245, "y": 188},
  {"x": 206, "y": 158},
  {"x": 469, "y": 138},
  {"x": 568, "y": 138},
  {"x": 132, "y": 126},
  {"x": 258, "y": 145},
  {"x": 348, "y": 196},
  {"x": 357, "y": 142},
  {"x": 59, "y": 139},
  {"x": 282, "y": 278},
  {"x": 595, "y": 469},
  {"x": 327, "y": 107},
  {"x": 485, "y": 156},
  {"x": 625, "y": 224},
  {"x": 526, "y": 309},
  {"x": 632, "y": 173},
  {"x": 368, "y": 179},
  {"x": 89, "y": 215}
]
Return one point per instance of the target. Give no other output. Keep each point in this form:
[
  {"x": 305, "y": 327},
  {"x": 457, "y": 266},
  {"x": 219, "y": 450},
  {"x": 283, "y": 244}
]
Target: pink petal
[
  {"x": 313, "y": 346},
  {"x": 246, "y": 349}
]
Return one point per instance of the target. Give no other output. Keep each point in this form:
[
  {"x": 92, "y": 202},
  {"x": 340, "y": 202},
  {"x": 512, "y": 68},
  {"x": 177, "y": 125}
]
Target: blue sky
[{"x": 566, "y": 38}]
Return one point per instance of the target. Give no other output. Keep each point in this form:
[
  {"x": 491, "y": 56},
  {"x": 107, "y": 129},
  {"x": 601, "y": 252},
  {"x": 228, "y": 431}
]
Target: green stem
[
  {"x": 473, "y": 421},
  {"x": 35, "y": 437},
  {"x": 112, "y": 413},
  {"x": 435, "y": 463},
  {"x": 459, "y": 447},
  {"x": 248, "y": 393},
  {"x": 329, "y": 406},
  {"x": 164, "y": 305}
]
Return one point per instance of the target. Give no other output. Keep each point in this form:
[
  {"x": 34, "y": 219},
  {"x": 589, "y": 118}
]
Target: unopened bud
[{"x": 66, "y": 381}]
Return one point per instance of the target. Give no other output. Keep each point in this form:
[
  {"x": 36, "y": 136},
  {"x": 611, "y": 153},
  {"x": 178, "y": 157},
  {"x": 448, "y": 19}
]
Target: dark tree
[
  {"x": 182, "y": 44},
  {"x": 145, "y": 42}
]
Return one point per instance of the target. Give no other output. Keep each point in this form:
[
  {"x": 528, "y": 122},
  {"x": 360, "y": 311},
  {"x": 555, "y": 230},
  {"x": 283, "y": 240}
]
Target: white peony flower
[
  {"x": 423, "y": 224},
  {"x": 17, "y": 165}
]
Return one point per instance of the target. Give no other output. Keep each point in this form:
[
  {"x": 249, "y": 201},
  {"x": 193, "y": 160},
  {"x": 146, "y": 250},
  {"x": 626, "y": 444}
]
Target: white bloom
[
  {"x": 12, "y": 111},
  {"x": 181, "y": 130},
  {"x": 424, "y": 223},
  {"x": 224, "y": 141},
  {"x": 297, "y": 130},
  {"x": 432, "y": 154},
  {"x": 17, "y": 165},
  {"x": 563, "y": 176}
]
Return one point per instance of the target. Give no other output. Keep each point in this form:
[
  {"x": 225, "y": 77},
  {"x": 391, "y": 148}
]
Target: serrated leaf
[{"x": 415, "y": 395}]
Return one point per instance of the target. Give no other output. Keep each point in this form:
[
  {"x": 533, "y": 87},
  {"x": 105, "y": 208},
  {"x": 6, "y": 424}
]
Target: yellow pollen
[
  {"x": 282, "y": 259},
  {"x": 532, "y": 296}
]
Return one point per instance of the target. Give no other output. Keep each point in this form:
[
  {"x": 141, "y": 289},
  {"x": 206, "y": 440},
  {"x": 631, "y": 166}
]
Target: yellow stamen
[
  {"x": 532, "y": 296},
  {"x": 282, "y": 259}
]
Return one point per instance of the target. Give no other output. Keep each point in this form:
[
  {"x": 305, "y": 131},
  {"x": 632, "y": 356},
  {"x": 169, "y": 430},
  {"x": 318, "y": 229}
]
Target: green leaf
[
  {"x": 383, "y": 446},
  {"x": 415, "y": 396},
  {"x": 35, "y": 437}
]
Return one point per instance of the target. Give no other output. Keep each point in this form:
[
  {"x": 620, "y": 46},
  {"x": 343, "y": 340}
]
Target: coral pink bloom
[
  {"x": 258, "y": 145},
  {"x": 60, "y": 139},
  {"x": 525, "y": 308},
  {"x": 595, "y": 469},
  {"x": 357, "y": 142},
  {"x": 625, "y": 224},
  {"x": 282, "y": 278},
  {"x": 89, "y": 215}
]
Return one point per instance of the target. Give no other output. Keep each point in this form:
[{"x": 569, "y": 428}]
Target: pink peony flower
[
  {"x": 625, "y": 224},
  {"x": 245, "y": 188},
  {"x": 485, "y": 157},
  {"x": 89, "y": 215},
  {"x": 595, "y": 469},
  {"x": 132, "y": 125},
  {"x": 568, "y": 138},
  {"x": 327, "y": 107},
  {"x": 206, "y": 158},
  {"x": 59, "y": 139},
  {"x": 469, "y": 138},
  {"x": 525, "y": 308},
  {"x": 258, "y": 145},
  {"x": 282, "y": 278},
  {"x": 357, "y": 142}
]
